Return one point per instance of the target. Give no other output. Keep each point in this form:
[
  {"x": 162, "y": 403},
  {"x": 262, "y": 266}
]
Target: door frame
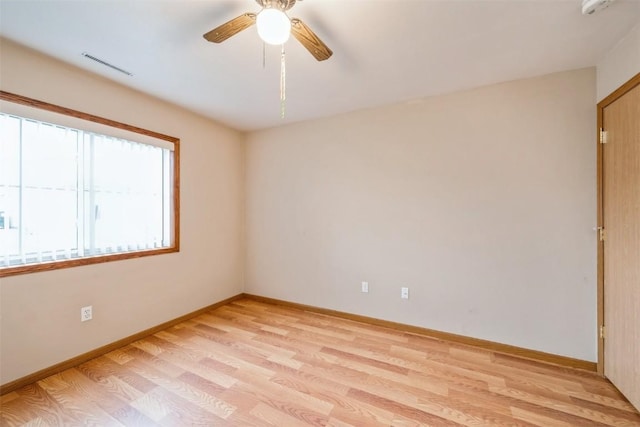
[{"x": 615, "y": 95}]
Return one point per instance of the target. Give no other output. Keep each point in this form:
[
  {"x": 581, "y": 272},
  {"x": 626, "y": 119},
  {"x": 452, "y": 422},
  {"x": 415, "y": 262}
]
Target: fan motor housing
[{"x": 283, "y": 5}]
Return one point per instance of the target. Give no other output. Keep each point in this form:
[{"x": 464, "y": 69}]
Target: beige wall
[
  {"x": 481, "y": 202},
  {"x": 619, "y": 64},
  {"x": 40, "y": 320}
]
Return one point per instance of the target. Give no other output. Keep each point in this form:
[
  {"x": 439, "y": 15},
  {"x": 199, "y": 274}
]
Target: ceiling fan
[{"x": 274, "y": 27}]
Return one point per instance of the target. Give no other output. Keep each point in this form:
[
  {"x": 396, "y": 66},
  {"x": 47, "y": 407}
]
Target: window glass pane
[
  {"x": 166, "y": 197},
  {"x": 49, "y": 185},
  {"x": 9, "y": 187},
  {"x": 9, "y": 151},
  {"x": 128, "y": 196},
  {"x": 49, "y": 218},
  {"x": 49, "y": 156}
]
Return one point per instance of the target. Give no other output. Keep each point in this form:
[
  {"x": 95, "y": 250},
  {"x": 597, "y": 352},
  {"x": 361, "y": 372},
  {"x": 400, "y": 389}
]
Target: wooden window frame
[{"x": 175, "y": 229}]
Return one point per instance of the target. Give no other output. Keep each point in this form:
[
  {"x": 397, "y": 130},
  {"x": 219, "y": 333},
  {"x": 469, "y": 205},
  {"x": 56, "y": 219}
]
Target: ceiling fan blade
[
  {"x": 231, "y": 28},
  {"x": 309, "y": 40}
]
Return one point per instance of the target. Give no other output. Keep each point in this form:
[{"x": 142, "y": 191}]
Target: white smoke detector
[{"x": 591, "y": 6}]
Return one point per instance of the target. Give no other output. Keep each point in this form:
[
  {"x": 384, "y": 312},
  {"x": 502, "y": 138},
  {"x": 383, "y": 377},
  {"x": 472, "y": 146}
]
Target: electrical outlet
[
  {"x": 365, "y": 287},
  {"x": 404, "y": 293},
  {"x": 86, "y": 313}
]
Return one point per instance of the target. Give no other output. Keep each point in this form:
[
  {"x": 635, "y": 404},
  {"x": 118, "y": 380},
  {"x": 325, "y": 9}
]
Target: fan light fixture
[{"x": 274, "y": 26}]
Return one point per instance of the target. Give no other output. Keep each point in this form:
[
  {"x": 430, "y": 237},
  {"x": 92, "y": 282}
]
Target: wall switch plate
[
  {"x": 86, "y": 313},
  {"x": 404, "y": 293},
  {"x": 365, "y": 287}
]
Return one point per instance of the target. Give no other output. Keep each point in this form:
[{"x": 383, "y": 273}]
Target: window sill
[{"x": 57, "y": 265}]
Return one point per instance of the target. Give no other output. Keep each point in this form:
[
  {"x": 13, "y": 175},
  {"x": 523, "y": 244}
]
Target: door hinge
[
  {"x": 601, "y": 233},
  {"x": 603, "y": 136},
  {"x": 602, "y": 331}
]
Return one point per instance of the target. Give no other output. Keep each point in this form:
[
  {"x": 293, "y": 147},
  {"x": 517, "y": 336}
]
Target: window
[{"x": 77, "y": 189}]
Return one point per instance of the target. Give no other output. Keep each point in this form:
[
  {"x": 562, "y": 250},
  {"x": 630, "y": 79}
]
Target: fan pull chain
[
  {"x": 264, "y": 55},
  {"x": 283, "y": 94}
]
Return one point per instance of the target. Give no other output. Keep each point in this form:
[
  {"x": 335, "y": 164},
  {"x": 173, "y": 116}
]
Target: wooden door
[{"x": 621, "y": 246}]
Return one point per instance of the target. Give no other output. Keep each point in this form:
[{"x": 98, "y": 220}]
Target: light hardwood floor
[{"x": 254, "y": 364}]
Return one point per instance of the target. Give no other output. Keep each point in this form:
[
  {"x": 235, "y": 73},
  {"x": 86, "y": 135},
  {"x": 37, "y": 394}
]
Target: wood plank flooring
[{"x": 254, "y": 364}]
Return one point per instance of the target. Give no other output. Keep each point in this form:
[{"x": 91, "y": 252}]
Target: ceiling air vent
[{"x": 100, "y": 61}]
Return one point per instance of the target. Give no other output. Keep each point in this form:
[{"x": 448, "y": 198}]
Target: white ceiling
[{"x": 385, "y": 51}]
